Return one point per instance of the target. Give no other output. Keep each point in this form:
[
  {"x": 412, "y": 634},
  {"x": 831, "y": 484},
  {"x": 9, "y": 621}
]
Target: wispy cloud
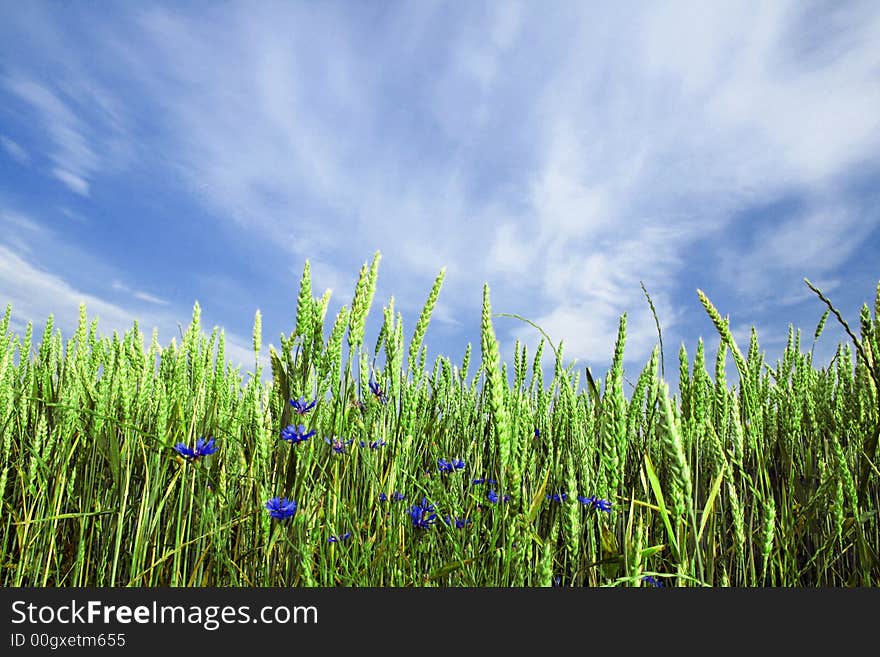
[
  {"x": 74, "y": 182},
  {"x": 72, "y": 215},
  {"x": 138, "y": 294},
  {"x": 84, "y": 125},
  {"x": 72, "y": 155},
  {"x": 563, "y": 156},
  {"x": 813, "y": 243},
  {"x": 15, "y": 150},
  {"x": 16, "y": 221},
  {"x": 143, "y": 296},
  {"x": 18, "y": 231},
  {"x": 36, "y": 293},
  {"x": 645, "y": 157}
]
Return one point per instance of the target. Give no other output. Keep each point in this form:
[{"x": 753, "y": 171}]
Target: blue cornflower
[
  {"x": 557, "y": 497},
  {"x": 395, "y": 497},
  {"x": 377, "y": 392},
  {"x": 460, "y": 523},
  {"x": 296, "y": 434},
  {"x": 595, "y": 503},
  {"x": 301, "y": 406},
  {"x": 493, "y": 497},
  {"x": 447, "y": 466},
  {"x": 339, "y": 539},
  {"x": 338, "y": 444},
  {"x": 653, "y": 581},
  {"x": 423, "y": 515},
  {"x": 483, "y": 480},
  {"x": 375, "y": 444},
  {"x": 281, "y": 508},
  {"x": 537, "y": 433},
  {"x": 203, "y": 448}
]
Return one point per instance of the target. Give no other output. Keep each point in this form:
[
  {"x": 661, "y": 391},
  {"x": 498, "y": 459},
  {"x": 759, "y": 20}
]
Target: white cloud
[
  {"x": 810, "y": 119},
  {"x": 510, "y": 252},
  {"x": 20, "y": 232},
  {"x": 17, "y": 221},
  {"x": 74, "y": 182},
  {"x": 444, "y": 313},
  {"x": 138, "y": 294},
  {"x": 812, "y": 244},
  {"x": 826, "y": 285},
  {"x": 657, "y": 137},
  {"x": 149, "y": 298},
  {"x": 15, "y": 151},
  {"x": 35, "y": 293},
  {"x": 72, "y": 154},
  {"x": 566, "y": 205},
  {"x": 462, "y": 97},
  {"x": 566, "y": 155},
  {"x": 85, "y": 125},
  {"x": 72, "y": 215}
]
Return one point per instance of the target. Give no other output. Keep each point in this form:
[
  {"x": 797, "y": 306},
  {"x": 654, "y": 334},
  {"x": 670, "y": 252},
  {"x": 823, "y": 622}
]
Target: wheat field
[{"x": 356, "y": 463}]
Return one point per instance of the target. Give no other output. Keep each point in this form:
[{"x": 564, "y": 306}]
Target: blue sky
[{"x": 155, "y": 154}]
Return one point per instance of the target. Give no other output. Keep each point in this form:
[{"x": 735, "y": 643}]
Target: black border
[{"x": 490, "y": 620}]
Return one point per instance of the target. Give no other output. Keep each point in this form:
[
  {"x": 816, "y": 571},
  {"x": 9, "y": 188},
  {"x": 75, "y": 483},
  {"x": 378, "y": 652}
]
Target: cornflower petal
[
  {"x": 301, "y": 406},
  {"x": 203, "y": 448},
  {"x": 423, "y": 515},
  {"x": 281, "y": 508},
  {"x": 296, "y": 434},
  {"x": 596, "y": 503}
]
